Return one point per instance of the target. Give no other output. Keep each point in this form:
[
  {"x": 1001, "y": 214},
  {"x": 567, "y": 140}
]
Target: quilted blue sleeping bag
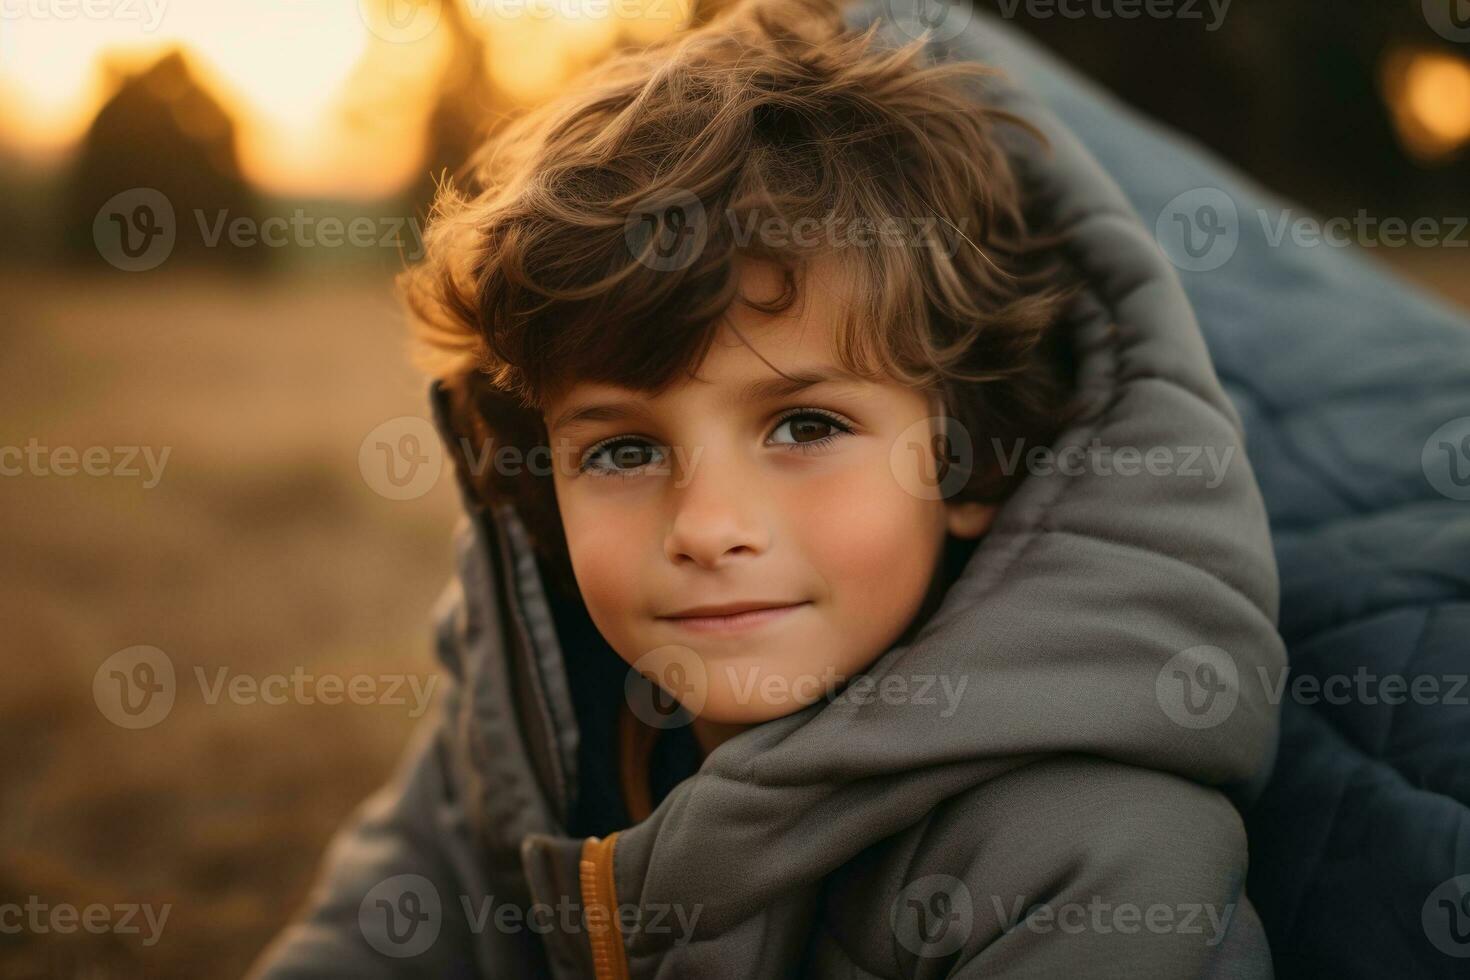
[{"x": 1354, "y": 388}]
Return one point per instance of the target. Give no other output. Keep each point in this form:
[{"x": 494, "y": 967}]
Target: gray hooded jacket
[{"x": 1064, "y": 816}]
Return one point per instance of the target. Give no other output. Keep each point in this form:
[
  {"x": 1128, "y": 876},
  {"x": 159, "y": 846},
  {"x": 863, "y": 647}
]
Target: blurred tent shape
[{"x": 162, "y": 129}]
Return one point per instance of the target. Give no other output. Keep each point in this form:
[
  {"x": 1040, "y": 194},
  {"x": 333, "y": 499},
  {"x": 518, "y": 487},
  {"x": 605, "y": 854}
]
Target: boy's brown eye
[
  {"x": 630, "y": 455},
  {"x": 809, "y": 429},
  {"x": 620, "y": 456}
]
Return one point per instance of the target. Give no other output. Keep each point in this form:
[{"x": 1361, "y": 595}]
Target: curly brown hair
[{"x": 554, "y": 267}]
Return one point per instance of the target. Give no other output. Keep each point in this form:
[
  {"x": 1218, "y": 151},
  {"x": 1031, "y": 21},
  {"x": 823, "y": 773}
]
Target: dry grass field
[{"x": 261, "y": 550}]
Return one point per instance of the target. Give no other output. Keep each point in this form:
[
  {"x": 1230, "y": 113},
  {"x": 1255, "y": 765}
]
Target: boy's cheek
[
  {"x": 605, "y": 565},
  {"x": 868, "y": 528}
]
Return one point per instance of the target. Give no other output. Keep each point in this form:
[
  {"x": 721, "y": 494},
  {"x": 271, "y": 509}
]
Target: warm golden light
[
  {"x": 1429, "y": 95},
  {"x": 328, "y": 98},
  {"x": 535, "y": 45}
]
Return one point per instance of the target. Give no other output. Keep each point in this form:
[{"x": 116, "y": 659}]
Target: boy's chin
[{"x": 735, "y": 711}]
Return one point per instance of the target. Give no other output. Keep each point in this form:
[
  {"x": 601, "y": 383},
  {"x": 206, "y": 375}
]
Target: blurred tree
[
  {"x": 470, "y": 106},
  {"x": 465, "y": 109},
  {"x": 162, "y": 130}
]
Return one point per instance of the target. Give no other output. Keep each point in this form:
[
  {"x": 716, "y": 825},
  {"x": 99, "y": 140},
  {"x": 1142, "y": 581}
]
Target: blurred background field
[
  {"x": 263, "y": 549},
  {"x": 260, "y": 549}
]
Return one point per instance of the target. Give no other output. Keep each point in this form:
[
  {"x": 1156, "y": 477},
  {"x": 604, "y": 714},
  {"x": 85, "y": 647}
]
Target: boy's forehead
[
  {"x": 751, "y": 349},
  {"x": 724, "y": 381}
]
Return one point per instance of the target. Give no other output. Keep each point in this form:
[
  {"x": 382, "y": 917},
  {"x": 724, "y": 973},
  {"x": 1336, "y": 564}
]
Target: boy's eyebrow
[
  {"x": 766, "y": 389},
  {"x": 762, "y": 389}
]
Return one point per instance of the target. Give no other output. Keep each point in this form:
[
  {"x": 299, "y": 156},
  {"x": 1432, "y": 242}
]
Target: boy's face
[{"x": 710, "y": 495}]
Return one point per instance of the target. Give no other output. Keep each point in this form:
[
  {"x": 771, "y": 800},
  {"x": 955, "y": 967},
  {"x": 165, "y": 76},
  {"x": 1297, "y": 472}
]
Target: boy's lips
[{"x": 732, "y": 617}]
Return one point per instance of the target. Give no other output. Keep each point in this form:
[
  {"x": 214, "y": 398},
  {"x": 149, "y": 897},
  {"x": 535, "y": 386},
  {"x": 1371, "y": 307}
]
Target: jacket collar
[{"x": 517, "y": 732}]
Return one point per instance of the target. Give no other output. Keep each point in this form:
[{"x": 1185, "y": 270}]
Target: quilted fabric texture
[{"x": 1354, "y": 390}]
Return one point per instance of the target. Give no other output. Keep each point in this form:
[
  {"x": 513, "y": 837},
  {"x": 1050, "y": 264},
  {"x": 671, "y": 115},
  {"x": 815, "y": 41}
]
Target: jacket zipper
[{"x": 600, "y": 899}]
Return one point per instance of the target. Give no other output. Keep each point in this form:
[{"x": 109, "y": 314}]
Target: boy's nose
[{"x": 716, "y": 518}]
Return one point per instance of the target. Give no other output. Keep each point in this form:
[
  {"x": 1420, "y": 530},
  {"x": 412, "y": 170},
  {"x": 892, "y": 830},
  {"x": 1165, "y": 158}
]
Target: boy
[{"x": 756, "y": 676}]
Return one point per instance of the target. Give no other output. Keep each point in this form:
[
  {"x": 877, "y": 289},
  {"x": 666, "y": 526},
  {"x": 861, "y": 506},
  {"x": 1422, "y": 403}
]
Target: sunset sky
[{"x": 330, "y": 95}]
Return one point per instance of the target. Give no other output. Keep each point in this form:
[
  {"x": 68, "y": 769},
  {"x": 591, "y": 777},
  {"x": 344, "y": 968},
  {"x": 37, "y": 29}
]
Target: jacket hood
[{"x": 1116, "y": 608}]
